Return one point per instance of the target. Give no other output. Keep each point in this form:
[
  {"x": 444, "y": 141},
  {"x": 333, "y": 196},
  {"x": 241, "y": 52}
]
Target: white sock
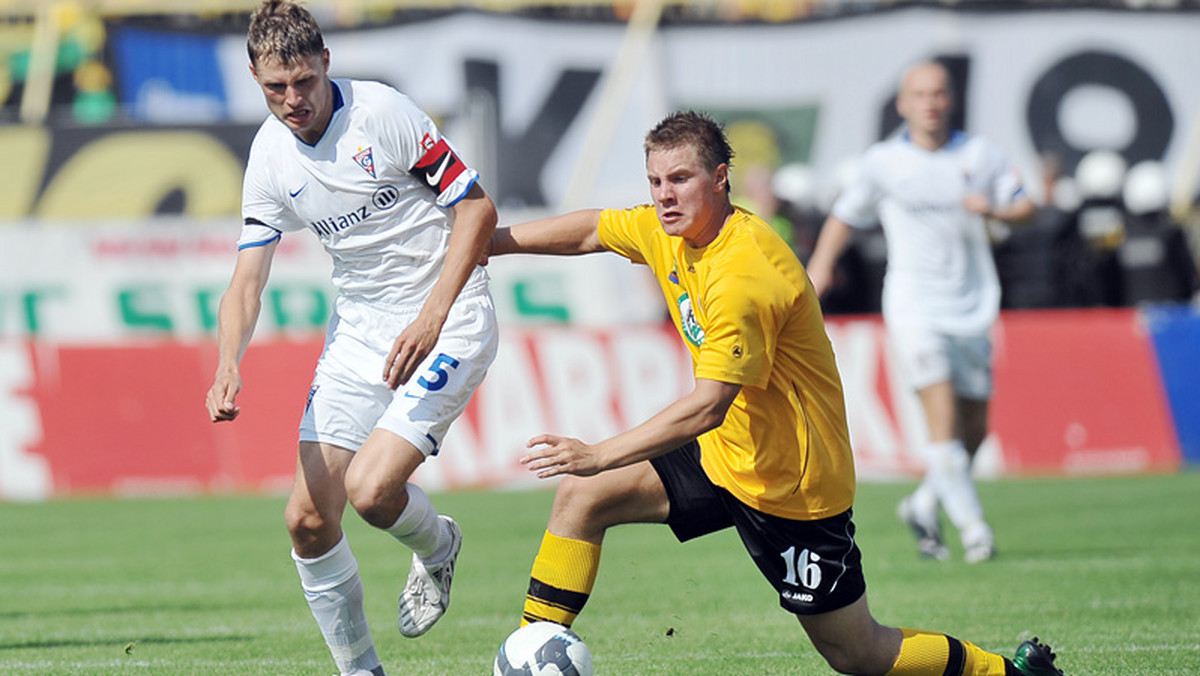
[
  {"x": 924, "y": 503},
  {"x": 335, "y": 595},
  {"x": 419, "y": 528},
  {"x": 949, "y": 475}
]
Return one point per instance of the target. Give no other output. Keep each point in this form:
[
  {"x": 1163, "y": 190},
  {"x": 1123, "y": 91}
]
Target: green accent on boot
[{"x": 1035, "y": 659}]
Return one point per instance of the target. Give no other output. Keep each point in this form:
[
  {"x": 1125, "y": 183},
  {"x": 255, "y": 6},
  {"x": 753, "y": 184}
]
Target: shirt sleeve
[
  {"x": 257, "y": 234},
  {"x": 739, "y": 341},
  {"x": 1006, "y": 184},
  {"x": 420, "y": 149},
  {"x": 858, "y": 203},
  {"x": 264, "y": 215},
  {"x": 620, "y": 231}
]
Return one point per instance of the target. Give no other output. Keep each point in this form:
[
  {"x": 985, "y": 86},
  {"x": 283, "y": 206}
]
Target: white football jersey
[
  {"x": 376, "y": 189},
  {"x": 940, "y": 271}
]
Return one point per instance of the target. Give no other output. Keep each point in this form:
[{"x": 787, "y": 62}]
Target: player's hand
[
  {"x": 977, "y": 203},
  {"x": 222, "y": 396},
  {"x": 560, "y": 455},
  {"x": 408, "y": 351}
]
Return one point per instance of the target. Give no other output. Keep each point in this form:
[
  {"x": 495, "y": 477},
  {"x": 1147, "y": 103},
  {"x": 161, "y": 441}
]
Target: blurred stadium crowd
[
  {"x": 1105, "y": 235},
  {"x": 81, "y": 72}
]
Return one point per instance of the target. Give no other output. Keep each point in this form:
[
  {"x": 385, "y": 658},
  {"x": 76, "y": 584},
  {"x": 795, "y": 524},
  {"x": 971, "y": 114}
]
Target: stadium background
[{"x": 125, "y": 126}]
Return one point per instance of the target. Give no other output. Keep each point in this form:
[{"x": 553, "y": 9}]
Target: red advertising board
[
  {"x": 1080, "y": 392},
  {"x": 132, "y": 419},
  {"x": 1076, "y": 392}
]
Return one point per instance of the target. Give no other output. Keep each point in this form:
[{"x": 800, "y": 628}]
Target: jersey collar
[
  {"x": 957, "y": 138},
  {"x": 338, "y": 102}
]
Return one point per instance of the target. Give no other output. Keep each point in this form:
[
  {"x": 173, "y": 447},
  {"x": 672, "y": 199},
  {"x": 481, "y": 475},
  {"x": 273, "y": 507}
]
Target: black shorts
[{"x": 814, "y": 565}]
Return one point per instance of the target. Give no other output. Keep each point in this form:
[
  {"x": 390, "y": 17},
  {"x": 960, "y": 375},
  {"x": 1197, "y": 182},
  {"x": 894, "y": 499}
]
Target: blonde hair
[
  {"x": 694, "y": 129},
  {"x": 284, "y": 31}
]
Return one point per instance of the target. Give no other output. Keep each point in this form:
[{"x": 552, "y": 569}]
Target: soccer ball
[{"x": 543, "y": 649}]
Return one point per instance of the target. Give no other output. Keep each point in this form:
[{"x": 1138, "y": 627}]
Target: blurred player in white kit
[
  {"x": 413, "y": 329},
  {"x": 932, "y": 188}
]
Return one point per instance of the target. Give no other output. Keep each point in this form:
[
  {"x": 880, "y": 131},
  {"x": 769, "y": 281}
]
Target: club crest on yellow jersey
[{"x": 687, "y": 322}]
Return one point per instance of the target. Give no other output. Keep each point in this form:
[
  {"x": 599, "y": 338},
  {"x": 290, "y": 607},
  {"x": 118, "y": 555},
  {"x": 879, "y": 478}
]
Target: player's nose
[{"x": 292, "y": 97}]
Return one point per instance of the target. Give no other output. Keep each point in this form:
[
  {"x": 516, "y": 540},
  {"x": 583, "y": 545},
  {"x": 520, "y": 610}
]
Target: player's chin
[
  {"x": 297, "y": 122},
  {"x": 673, "y": 223}
]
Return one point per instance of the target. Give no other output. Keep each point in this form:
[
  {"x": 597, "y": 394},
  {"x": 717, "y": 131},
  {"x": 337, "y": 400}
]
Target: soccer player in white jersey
[
  {"x": 413, "y": 329},
  {"x": 932, "y": 188}
]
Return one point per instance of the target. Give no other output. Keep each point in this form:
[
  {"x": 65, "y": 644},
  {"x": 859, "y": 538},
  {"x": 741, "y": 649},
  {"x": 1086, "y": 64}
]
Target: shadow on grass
[
  {"x": 118, "y": 643},
  {"x": 140, "y": 608}
]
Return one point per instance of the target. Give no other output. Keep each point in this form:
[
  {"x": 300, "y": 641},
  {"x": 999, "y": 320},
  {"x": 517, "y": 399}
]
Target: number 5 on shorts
[{"x": 437, "y": 370}]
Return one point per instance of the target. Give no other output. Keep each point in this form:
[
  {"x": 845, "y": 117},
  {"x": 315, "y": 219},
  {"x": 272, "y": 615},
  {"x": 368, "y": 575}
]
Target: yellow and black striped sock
[
  {"x": 563, "y": 574},
  {"x": 928, "y": 653}
]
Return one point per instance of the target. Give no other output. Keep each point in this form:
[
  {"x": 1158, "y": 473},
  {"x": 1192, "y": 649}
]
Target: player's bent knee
[
  {"x": 378, "y": 504},
  {"x": 581, "y": 495},
  {"x": 591, "y": 500},
  {"x": 368, "y": 506},
  {"x": 305, "y": 525}
]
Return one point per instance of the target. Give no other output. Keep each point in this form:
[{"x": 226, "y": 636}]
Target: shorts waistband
[{"x": 475, "y": 288}]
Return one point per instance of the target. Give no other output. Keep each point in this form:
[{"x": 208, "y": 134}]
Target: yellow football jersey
[{"x": 749, "y": 316}]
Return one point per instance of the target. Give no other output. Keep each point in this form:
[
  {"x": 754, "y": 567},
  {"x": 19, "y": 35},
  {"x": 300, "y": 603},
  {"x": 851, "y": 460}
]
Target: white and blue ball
[{"x": 543, "y": 649}]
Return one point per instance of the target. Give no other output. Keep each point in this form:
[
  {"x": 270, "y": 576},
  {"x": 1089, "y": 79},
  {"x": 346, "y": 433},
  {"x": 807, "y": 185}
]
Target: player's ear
[
  {"x": 325, "y": 59},
  {"x": 721, "y": 177}
]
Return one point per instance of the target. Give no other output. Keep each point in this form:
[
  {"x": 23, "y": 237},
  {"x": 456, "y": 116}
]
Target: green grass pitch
[{"x": 1107, "y": 570}]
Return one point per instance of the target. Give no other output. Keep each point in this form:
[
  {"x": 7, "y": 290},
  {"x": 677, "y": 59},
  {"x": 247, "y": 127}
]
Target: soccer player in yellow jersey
[{"x": 759, "y": 444}]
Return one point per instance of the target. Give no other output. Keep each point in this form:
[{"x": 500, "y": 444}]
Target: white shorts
[
  {"x": 348, "y": 398},
  {"x": 929, "y": 357}
]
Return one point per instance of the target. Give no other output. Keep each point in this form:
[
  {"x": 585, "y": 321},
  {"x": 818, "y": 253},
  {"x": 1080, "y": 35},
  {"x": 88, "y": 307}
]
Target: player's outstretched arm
[
  {"x": 695, "y": 413},
  {"x": 1020, "y": 211},
  {"x": 240, "y": 306},
  {"x": 835, "y": 235},
  {"x": 474, "y": 222},
  {"x": 569, "y": 234}
]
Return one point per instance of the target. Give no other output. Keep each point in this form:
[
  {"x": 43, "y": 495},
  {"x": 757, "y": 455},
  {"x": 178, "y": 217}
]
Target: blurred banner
[
  {"x": 1176, "y": 332},
  {"x": 110, "y": 283},
  {"x": 520, "y": 96},
  {"x": 1077, "y": 392}
]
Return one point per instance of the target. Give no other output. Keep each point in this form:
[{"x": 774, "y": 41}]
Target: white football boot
[{"x": 427, "y": 593}]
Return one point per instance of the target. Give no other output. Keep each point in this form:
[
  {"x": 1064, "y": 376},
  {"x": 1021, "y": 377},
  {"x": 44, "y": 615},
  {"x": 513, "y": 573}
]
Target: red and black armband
[{"x": 439, "y": 167}]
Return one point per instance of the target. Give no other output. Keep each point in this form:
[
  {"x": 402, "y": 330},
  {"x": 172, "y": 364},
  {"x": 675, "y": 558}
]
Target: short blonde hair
[
  {"x": 694, "y": 129},
  {"x": 284, "y": 31}
]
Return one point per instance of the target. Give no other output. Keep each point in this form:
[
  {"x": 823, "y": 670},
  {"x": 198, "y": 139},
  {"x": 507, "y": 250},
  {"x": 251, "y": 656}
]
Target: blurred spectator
[
  {"x": 1101, "y": 220},
  {"x": 1100, "y": 177},
  {"x": 1154, "y": 260},
  {"x": 1047, "y": 263},
  {"x": 1105, "y": 237},
  {"x": 757, "y": 194},
  {"x": 795, "y": 186},
  {"x": 80, "y": 82}
]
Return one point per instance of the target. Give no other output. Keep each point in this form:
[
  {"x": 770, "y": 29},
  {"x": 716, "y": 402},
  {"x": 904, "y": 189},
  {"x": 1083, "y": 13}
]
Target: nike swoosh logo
[
  {"x": 300, "y": 190},
  {"x": 436, "y": 177}
]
